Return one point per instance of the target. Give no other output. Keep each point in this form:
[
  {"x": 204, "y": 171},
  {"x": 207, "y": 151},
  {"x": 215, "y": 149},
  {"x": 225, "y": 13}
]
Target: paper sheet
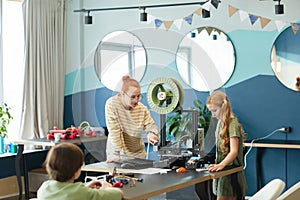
[{"x": 151, "y": 171}]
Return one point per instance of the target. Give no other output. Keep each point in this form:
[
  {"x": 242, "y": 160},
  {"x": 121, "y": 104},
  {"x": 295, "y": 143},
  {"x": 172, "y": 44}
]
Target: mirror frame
[
  {"x": 285, "y": 58},
  {"x": 194, "y": 54}
]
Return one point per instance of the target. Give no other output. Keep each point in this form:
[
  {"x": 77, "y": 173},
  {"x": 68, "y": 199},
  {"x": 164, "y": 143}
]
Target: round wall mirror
[
  {"x": 119, "y": 53},
  {"x": 285, "y": 58},
  {"x": 205, "y": 58}
]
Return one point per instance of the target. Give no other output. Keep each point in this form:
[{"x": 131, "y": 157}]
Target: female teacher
[{"x": 126, "y": 117}]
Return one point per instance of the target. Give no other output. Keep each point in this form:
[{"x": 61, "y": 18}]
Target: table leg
[
  {"x": 26, "y": 184},
  {"x": 204, "y": 190},
  {"x": 18, "y": 170},
  {"x": 259, "y": 153},
  {"x": 210, "y": 190}
]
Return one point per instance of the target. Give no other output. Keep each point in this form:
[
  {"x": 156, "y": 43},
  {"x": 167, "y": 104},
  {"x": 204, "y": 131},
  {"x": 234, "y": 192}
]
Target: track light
[
  {"x": 205, "y": 13},
  {"x": 88, "y": 19},
  {"x": 143, "y": 15},
  {"x": 279, "y": 8},
  {"x": 193, "y": 34}
]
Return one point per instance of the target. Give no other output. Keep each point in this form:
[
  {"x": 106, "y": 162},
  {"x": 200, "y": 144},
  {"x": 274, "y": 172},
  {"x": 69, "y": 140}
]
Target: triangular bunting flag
[
  {"x": 206, "y": 6},
  {"x": 243, "y": 15},
  {"x": 295, "y": 28},
  {"x": 232, "y": 10},
  {"x": 280, "y": 24},
  {"x": 168, "y": 24},
  {"x": 253, "y": 18},
  {"x": 218, "y": 31},
  {"x": 178, "y": 23},
  {"x": 198, "y": 12},
  {"x": 158, "y": 23},
  {"x": 189, "y": 19},
  {"x": 264, "y": 21},
  {"x": 150, "y": 18},
  {"x": 200, "y": 29},
  {"x": 209, "y": 30}
]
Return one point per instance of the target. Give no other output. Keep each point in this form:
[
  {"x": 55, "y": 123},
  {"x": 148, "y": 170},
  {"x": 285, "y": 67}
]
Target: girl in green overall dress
[{"x": 229, "y": 148}]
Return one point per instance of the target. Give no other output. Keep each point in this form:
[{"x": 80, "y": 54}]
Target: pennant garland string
[
  {"x": 263, "y": 21},
  {"x": 231, "y": 10},
  {"x": 209, "y": 30},
  {"x": 188, "y": 19}
]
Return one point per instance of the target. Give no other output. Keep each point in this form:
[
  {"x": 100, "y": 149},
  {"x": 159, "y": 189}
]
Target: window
[
  {"x": 123, "y": 60},
  {"x": 13, "y": 62},
  {"x": 119, "y": 53}
]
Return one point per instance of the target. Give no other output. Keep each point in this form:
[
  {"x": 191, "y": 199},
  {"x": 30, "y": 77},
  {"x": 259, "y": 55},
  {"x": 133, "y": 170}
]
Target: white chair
[
  {"x": 293, "y": 193},
  {"x": 270, "y": 191}
]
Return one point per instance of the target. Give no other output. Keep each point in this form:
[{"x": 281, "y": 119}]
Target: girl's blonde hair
[{"x": 219, "y": 99}]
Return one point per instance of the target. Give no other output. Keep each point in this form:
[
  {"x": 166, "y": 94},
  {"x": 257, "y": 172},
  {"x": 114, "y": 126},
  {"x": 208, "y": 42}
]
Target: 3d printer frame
[{"x": 163, "y": 141}]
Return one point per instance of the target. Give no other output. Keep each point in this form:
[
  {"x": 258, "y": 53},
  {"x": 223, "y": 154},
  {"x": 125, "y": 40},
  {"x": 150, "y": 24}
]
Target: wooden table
[
  {"x": 156, "y": 184},
  {"x": 41, "y": 142}
]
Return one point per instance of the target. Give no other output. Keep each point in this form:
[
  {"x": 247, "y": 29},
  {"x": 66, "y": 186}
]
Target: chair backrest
[
  {"x": 271, "y": 191},
  {"x": 293, "y": 193}
]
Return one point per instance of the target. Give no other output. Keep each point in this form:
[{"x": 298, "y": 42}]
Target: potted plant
[
  {"x": 180, "y": 124},
  {"x": 204, "y": 115},
  {"x": 5, "y": 118}
]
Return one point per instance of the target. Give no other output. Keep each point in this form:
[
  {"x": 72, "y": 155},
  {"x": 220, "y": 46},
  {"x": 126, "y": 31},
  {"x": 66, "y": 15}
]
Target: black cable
[{"x": 245, "y": 160}]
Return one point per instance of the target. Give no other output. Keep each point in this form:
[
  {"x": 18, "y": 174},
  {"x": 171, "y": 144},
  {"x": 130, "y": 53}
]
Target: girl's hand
[{"x": 215, "y": 167}]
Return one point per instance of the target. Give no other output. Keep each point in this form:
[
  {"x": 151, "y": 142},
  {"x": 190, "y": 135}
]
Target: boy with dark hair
[{"x": 63, "y": 164}]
